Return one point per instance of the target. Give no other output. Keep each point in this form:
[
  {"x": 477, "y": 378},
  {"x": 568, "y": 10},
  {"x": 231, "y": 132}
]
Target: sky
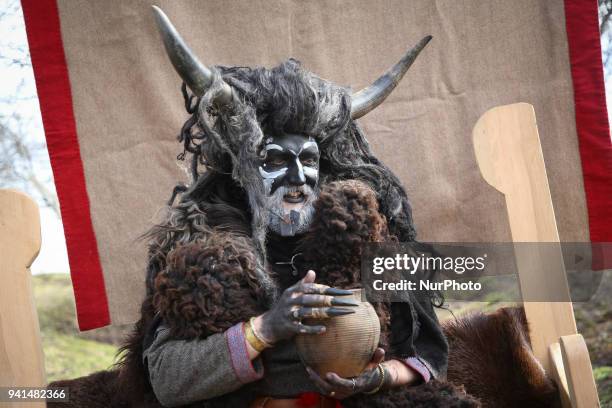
[
  {"x": 16, "y": 80},
  {"x": 19, "y": 81}
]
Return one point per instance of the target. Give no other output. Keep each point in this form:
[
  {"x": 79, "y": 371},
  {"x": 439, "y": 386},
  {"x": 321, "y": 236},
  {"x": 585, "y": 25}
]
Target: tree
[
  {"x": 24, "y": 163},
  {"x": 605, "y": 20},
  {"x": 605, "y": 31}
]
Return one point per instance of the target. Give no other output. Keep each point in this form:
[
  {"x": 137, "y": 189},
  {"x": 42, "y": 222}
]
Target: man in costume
[
  {"x": 270, "y": 233},
  {"x": 271, "y": 140}
]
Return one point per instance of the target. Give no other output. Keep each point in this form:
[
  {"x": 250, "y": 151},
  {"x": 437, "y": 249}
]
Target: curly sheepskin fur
[
  {"x": 347, "y": 216},
  {"x": 208, "y": 286}
]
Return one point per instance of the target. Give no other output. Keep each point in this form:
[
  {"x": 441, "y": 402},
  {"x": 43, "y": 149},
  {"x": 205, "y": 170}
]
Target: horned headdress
[{"x": 199, "y": 78}]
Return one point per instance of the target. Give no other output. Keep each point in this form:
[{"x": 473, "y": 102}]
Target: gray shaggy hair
[{"x": 229, "y": 193}]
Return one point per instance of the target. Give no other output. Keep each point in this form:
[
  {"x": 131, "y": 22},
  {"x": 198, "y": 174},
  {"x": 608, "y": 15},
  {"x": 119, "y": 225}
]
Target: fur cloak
[{"x": 210, "y": 284}]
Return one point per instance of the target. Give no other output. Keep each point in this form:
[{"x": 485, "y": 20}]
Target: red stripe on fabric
[
  {"x": 55, "y": 98},
  {"x": 592, "y": 125}
]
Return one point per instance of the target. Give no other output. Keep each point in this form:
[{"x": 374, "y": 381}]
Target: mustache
[
  {"x": 280, "y": 217},
  {"x": 304, "y": 189},
  {"x": 275, "y": 204}
]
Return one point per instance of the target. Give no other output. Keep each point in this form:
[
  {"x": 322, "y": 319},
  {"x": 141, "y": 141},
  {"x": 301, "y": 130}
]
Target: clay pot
[{"x": 347, "y": 345}]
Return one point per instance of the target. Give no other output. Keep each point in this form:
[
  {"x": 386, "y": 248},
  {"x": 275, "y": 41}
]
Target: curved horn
[
  {"x": 195, "y": 74},
  {"x": 371, "y": 96}
]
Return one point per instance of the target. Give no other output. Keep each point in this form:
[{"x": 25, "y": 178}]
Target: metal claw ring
[{"x": 354, "y": 384}]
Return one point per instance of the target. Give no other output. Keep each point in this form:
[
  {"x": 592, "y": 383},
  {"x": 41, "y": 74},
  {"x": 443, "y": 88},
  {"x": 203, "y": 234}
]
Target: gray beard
[{"x": 291, "y": 222}]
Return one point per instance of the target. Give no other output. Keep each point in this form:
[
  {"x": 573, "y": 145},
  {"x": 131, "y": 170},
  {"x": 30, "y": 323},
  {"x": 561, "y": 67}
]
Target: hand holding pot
[{"x": 305, "y": 299}]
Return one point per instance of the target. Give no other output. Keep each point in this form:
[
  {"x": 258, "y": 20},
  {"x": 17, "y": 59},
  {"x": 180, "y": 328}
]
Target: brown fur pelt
[
  {"x": 98, "y": 390},
  {"x": 491, "y": 356},
  {"x": 432, "y": 394},
  {"x": 346, "y": 218},
  {"x": 208, "y": 286}
]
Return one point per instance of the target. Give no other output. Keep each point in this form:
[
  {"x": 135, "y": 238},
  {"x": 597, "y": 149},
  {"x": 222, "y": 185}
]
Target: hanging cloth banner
[{"x": 112, "y": 108}]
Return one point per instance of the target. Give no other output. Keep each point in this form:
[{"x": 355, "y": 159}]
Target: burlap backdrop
[{"x": 129, "y": 108}]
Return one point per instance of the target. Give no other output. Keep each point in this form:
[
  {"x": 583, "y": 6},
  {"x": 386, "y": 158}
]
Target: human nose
[{"x": 295, "y": 175}]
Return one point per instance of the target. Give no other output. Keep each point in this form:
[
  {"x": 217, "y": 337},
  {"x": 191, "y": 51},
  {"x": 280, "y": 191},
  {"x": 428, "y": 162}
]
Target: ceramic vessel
[{"x": 347, "y": 345}]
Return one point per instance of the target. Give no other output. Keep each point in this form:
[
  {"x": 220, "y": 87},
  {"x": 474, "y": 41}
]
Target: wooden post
[
  {"x": 509, "y": 155},
  {"x": 582, "y": 388},
  {"x": 21, "y": 356}
]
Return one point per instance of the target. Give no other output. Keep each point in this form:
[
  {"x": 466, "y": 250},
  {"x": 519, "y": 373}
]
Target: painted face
[
  {"x": 290, "y": 160},
  {"x": 290, "y": 171}
]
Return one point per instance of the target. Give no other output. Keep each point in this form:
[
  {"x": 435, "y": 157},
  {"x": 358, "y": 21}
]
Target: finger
[
  {"x": 322, "y": 300},
  {"x": 309, "y": 277},
  {"x": 319, "y": 382},
  {"x": 322, "y": 312},
  {"x": 308, "y": 329},
  {"x": 317, "y": 288},
  {"x": 312, "y": 300},
  {"x": 336, "y": 381},
  {"x": 313, "y": 288},
  {"x": 379, "y": 356},
  {"x": 368, "y": 379},
  {"x": 306, "y": 282},
  {"x": 337, "y": 292},
  {"x": 299, "y": 285}
]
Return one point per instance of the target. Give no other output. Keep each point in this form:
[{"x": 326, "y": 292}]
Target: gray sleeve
[{"x": 183, "y": 372}]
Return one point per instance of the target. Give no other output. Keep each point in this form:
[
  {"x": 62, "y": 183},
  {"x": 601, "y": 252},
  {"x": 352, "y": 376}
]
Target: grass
[
  {"x": 603, "y": 376},
  {"x": 54, "y": 303},
  {"x": 67, "y": 356},
  {"x": 68, "y": 353}
]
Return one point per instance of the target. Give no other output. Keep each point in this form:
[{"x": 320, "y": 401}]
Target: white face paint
[
  {"x": 290, "y": 160},
  {"x": 269, "y": 177},
  {"x": 308, "y": 144},
  {"x": 310, "y": 172},
  {"x": 272, "y": 174},
  {"x": 273, "y": 146}
]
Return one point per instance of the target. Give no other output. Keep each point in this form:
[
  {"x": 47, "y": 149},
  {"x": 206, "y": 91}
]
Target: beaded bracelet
[{"x": 382, "y": 381}]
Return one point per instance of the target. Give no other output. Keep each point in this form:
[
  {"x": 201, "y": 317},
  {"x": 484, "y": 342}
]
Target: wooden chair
[
  {"x": 21, "y": 356},
  {"x": 509, "y": 154}
]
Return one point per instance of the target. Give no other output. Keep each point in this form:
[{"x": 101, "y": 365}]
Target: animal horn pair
[{"x": 199, "y": 78}]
